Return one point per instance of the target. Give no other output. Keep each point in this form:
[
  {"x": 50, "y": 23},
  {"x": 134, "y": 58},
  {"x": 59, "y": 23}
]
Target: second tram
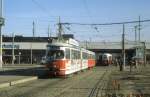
[{"x": 107, "y": 59}]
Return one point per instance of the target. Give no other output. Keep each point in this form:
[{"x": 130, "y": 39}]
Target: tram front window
[
  {"x": 104, "y": 57},
  {"x": 55, "y": 54}
]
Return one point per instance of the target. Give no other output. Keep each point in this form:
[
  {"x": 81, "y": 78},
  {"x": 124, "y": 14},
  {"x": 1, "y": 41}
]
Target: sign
[
  {"x": 73, "y": 42},
  {"x": 53, "y": 47},
  {"x": 10, "y": 46},
  {"x": 2, "y": 21}
]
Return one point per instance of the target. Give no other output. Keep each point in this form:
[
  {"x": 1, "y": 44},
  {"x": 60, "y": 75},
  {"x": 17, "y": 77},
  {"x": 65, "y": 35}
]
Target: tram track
[
  {"x": 99, "y": 89},
  {"x": 71, "y": 84},
  {"x": 59, "y": 87},
  {"x": 87, "y": 85},
  {"x": 23, "y": 89},
  {"x": 78, "y": 85},
  {"x": 47, "y": 88}
]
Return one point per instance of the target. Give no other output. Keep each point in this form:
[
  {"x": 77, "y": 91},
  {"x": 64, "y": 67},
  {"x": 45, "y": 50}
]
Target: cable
[
  {"x": 69, "y": 29},
  {"x": 41, "y": 7},
  {"x": 117, "y": 23},
  {"x": 89, "y": 14},
  {"x": 87, "y": 9}
]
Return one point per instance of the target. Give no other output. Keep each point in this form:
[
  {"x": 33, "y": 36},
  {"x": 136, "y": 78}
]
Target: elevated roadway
[{"x": 112, "y": 45}]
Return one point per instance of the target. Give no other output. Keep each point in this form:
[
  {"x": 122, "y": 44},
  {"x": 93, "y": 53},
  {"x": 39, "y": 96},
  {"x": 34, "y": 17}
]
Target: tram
[
  {"x": 104, "y": 59},
  {"x": 107, "y": 59},
  {"x": 67, "y": 57}
]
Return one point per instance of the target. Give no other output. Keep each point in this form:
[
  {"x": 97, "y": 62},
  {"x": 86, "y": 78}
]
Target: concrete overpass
[
  {"x": 115, "y": 48},
  {"x": 112, "y": 45}
]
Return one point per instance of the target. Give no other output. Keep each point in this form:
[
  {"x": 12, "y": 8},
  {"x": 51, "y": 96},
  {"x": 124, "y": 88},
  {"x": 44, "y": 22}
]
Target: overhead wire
[
  {"x": 89, "y": 14},
  {"x": 87, "y": 9},
  {"x": 39, "y": 6},
  {"x": 115, "y": 23},
  {"x": 43, "y": 9},
  {"x": 69, "y": 29}
]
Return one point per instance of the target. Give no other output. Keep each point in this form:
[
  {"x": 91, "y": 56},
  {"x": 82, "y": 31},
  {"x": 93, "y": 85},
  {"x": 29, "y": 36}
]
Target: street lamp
[{"x": 19, "y": 56}]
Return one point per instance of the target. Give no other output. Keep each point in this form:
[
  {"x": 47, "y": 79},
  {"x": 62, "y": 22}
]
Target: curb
[
  {"x": 11, "y": 83},
  {"x": 22, "y": 80},
  {"x": 3, "y": 85}
]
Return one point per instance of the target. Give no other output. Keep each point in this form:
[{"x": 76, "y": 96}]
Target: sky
[{"x": 20, "y": 14}]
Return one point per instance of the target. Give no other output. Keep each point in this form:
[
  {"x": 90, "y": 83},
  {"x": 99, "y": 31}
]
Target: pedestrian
[
  {"x": 120, "y": 63},
  {"x": 116, "y": 62}
]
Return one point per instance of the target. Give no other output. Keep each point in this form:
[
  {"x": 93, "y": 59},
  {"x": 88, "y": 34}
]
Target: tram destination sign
[{"x": 53, "y": 47}]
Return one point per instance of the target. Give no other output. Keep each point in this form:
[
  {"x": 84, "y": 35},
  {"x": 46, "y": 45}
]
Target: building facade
[{"x": 27, "y": 50}]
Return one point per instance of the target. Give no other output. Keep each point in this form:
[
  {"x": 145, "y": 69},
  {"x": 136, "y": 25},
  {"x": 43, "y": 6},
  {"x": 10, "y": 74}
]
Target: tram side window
[
  {"x": 93, "y": 56},
  {"x": 85, "y": 55},
  {"x": 72, "y": 54},
  {"x": 90, "y": 56},
  {"x": 79, "y": 55},
  {"x": 67, "y": 53},
  {"x": 75, "y": 54}
]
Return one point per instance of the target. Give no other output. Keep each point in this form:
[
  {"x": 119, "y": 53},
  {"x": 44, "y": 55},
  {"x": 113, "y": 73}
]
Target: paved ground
[
  {"x": 14, "y": 74},
  {"x": 98, "y": 82},
  {"x": 22, "y": 70},
  {"x": 78, "y": 85},
  {"x": 132, "y": 84},
  {"x": 19, "y": 66},
  {"x": 8, "y": 78}
]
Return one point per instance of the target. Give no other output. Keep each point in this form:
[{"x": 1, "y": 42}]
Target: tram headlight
[{"x": 54, "y": 66}]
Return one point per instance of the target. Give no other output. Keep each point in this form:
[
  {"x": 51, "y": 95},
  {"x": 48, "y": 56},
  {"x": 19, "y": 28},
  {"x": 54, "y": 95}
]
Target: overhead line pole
[
  {"x": 33, "y": 31},
  {"x": 139, "y": 28},
  {"x": 1, "y": 24},
  {"x": 48, "y": 31},
  {"x": 59, "y": 30},
  {"x": 135, "y": 27},
  {"x": 13, "y": 52},
  {"x": 123, "y": 48}
]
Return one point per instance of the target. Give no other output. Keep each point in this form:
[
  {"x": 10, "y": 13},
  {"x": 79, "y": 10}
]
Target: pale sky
[{"x": 20, "y": 14}]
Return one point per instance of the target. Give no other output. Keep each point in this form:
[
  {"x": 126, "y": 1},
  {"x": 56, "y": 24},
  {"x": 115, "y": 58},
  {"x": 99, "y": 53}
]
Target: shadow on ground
[{"x": 41, "y": 72}]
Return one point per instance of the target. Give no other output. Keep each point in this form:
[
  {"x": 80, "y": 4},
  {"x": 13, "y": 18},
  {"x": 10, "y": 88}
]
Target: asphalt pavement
[
  {"x": 19, "y": 73},
  {"x": 126, "y": 83},
  {"x": 131, "y": 83},
  {"x": 78, "y": 85}
]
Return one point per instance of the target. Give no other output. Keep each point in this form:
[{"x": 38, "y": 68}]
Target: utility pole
[
  {"x": 31, "y": 53},
  {"x": 48, "y": 31},
  {"x": 33, "y": 31},
  {"x": 13, "y": 52},
  {"x": 59, "y": 30},
  {"x": 1, "y": 24},
  {"x": 144, "y": 43},
  {"x": 123, "y": 49},
  {"x": 139, "y": 28},
  {"x": 135, "y": 27},
  {"x": 136, "y": 63}
]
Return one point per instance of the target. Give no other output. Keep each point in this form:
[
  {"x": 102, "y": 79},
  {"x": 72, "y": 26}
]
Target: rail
[{"x": 100, "y": 86}]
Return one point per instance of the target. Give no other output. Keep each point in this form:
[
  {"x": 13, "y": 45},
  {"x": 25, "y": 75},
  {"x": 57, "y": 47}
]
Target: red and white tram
[
  {"x": 107, "y": 59},
  {"x": 64, "y": 58}
]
